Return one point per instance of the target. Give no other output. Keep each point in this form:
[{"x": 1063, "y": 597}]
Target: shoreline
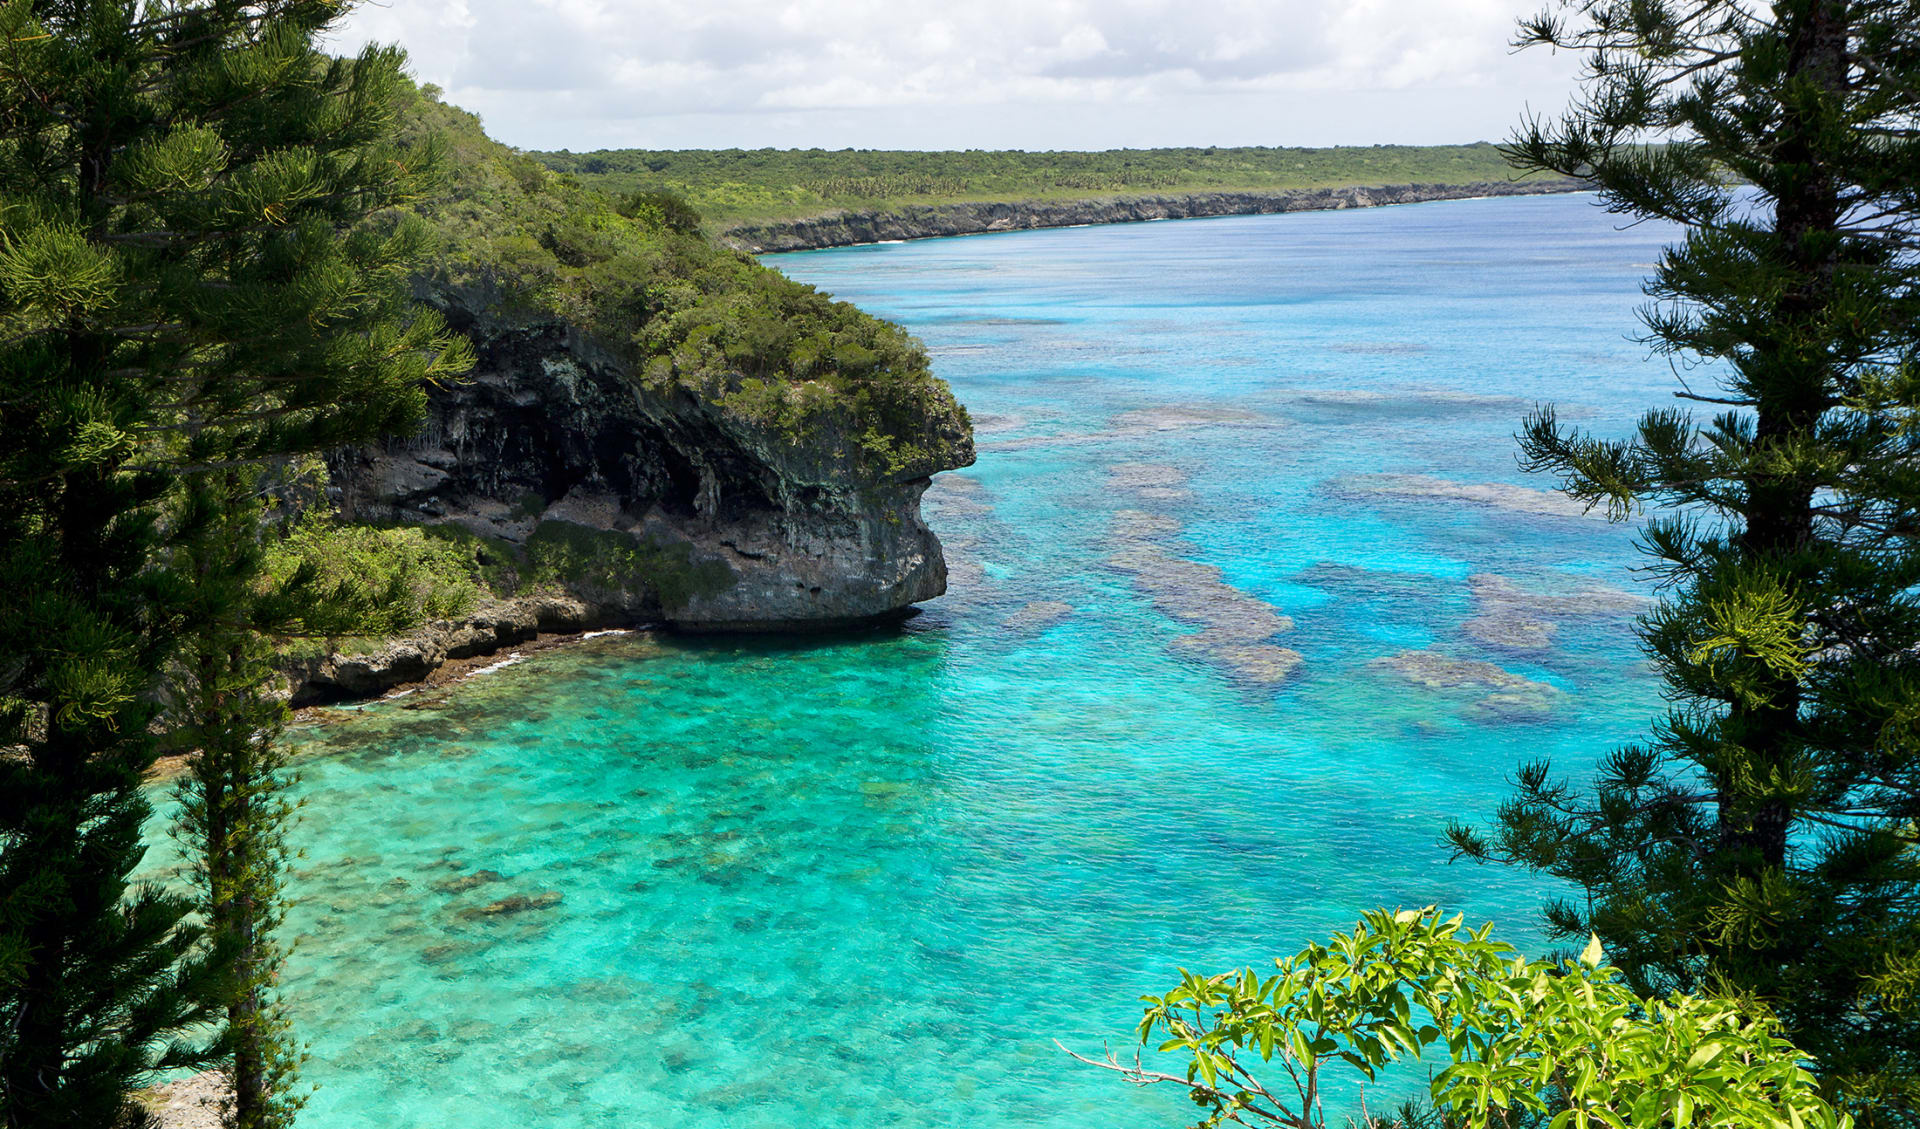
[
  {"x": 443, "y": 654},
  {"x": 939, "y": 221},
  {"x": 445, "y": 675},
  {"x": 454, "y": 672}
]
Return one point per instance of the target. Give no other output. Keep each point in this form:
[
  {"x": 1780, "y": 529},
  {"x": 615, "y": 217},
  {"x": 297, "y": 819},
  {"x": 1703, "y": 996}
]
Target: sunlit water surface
[{"x": 867, "y": 881}]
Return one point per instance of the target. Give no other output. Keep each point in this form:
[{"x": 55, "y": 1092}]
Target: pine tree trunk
[
  {"x": 233, "y": 772},
  {"x": 244, "y": 1012},
  {"x": 1779, "y": 516},
  {"x": 227, "y": 782}
]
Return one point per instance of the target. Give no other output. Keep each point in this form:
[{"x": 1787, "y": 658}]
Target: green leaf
[{"x": 1583, "y": 1079}]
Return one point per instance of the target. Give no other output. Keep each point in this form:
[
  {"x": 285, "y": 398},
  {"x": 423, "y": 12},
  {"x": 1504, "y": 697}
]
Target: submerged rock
[
  {"x": 1536, "y": 703},
  {"x": 469, "y": 881},
  {"x": 1150, "y": 480},
  {"x": 1512, "y": 618},
  {"x": 1266, "y": 663},
  {"x": 1194, "y": 593},
  {"x": 1511, "y": 629},
  {"x": 1236, "y": 628},
  {"x": 1143, "y": 476},
  {"x": 448, "y": 952},
  {"x": 1437, "y": 670},
  {"x": 1139, "y": 525},
  {"x": 968, "y": 575},
  {"x": 1037, "y": 615},
  {"x": 1501, "y": 694},
  {"x": 1138, "y": 422},
  {"x": 957, "y": 495},
  {"x": 1494, "y": 495},
  {"x": 514, "y": 904}
]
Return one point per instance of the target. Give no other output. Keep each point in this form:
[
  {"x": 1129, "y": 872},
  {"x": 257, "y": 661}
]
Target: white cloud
[{"x": 585, "y": 74}]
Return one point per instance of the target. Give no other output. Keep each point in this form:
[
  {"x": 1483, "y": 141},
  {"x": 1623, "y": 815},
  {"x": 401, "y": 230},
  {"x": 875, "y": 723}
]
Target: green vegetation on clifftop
[
  {"x": 638, "y": 275},
  {"x": 733, "y": 187}
]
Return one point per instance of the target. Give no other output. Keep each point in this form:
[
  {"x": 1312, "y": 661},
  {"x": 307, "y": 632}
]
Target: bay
[{"x": 1249, "y": 597}]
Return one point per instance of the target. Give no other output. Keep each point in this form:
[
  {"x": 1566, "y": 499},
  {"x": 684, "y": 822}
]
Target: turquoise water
[{"x": 867, "y": 881}]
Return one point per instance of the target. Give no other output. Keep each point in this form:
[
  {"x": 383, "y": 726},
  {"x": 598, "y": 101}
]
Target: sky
[{"x": 973, "y": 74}]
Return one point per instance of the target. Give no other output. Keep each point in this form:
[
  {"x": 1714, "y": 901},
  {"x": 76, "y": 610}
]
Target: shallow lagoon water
[{"x": 866, "y": 880}]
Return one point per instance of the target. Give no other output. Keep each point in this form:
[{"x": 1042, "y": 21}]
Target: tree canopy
[{"x": 1553, "y": 1043}]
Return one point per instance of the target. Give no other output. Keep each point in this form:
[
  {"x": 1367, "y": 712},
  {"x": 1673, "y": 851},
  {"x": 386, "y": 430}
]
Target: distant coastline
[{"x": 849, "y": 228}]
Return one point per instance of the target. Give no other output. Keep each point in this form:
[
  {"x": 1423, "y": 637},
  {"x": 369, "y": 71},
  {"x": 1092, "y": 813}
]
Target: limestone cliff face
[
  {"x": 843, "y": 229},
  {"x": 723, "y": 523}
]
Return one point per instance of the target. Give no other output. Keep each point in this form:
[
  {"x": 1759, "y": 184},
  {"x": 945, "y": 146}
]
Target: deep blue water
[{"x": 867, "y": 881}]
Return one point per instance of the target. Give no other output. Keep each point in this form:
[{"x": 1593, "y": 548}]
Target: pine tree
[
  {"x": 234, "y": 813},
  {"x": 1763, "y": 838},
  {"x": 190, "y": 285},
  {"x": 228, "y": 709}
]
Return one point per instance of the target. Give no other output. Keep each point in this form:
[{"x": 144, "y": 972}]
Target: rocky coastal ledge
[
  {"x": 846, "y": 229},
  {"x": 436, "y": 648},
  {"x": 677, "y": 509}
]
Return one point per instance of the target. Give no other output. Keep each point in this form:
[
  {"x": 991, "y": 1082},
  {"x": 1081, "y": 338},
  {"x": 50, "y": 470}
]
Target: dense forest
[{"x": 737, "y": 186}]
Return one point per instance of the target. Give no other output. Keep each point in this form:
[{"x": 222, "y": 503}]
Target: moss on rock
[{"x": 577, "y": 556}]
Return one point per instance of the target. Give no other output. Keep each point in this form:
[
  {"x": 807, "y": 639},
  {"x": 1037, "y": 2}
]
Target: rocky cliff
[
  {"x": 843, "y": 229},
  {"x": 661, "y": 502}
]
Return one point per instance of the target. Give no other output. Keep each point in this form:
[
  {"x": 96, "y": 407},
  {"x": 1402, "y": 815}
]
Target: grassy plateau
[{"x": 735, "y": 187}]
